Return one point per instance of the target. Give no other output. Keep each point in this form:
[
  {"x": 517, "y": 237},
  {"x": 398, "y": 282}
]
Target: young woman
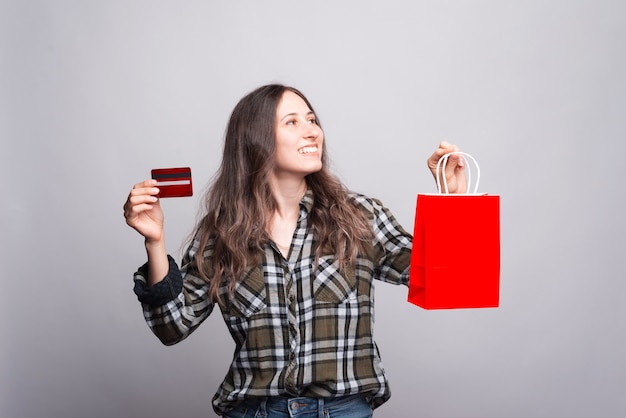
[{"x": 289, "y": 256}]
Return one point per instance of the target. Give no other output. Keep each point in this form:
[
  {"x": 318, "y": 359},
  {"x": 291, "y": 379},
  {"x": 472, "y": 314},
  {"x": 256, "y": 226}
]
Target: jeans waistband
[{"x": 303, "y": 404}]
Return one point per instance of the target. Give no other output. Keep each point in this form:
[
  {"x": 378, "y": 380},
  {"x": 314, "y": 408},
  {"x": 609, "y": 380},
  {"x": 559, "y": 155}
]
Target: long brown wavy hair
[{"x": 239, "y": 202}]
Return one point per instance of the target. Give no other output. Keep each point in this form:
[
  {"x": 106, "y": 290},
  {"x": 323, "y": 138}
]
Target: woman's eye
[{"x": 292, "y": 122}]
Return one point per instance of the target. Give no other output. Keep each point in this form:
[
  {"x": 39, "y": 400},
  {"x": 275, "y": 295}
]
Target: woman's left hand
[{"x": 455, "y": 168}]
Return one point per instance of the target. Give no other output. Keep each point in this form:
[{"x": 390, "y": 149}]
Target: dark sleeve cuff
[{"x": 162, "y": 292}]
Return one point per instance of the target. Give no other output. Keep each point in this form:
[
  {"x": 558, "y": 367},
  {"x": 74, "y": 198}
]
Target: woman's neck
[
  {"x": 287, "y": 194},
  {"x": 282, "y": 223}
]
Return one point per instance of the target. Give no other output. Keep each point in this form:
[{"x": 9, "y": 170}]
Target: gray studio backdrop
[{"x": 95, "y": 94}]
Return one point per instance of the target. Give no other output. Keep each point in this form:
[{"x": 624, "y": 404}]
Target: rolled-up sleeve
[
  {"x": 163, "y": 291},
  {"x": 174, "y": 307}
]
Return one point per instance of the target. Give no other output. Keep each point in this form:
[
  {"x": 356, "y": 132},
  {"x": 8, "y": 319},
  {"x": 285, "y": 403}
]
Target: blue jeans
[{"x": 354, "y": 406}]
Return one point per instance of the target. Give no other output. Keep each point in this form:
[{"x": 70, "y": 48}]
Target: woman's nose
[{"x": 312, "y": 131}]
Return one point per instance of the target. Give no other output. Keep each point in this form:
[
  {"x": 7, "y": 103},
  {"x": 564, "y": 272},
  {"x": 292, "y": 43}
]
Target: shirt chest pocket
[
  {"x": 332, "y": 284},
  {"x": 249, "y": 296}
]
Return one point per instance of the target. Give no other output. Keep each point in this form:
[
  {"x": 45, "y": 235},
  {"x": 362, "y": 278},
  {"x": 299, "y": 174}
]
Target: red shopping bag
[{"x": 455, "y": 262}]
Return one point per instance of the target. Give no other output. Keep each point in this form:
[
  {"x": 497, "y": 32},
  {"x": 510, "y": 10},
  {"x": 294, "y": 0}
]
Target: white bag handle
[{"x": 444, "y": 160}]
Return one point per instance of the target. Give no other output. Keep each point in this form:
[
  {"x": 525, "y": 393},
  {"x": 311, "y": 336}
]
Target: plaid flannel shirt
[{"x": 300, "y": 328}]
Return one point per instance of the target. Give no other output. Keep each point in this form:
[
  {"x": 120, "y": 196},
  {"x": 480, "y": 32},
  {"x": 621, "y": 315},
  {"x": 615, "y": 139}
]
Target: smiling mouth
[{"x": 307, "y": 150}]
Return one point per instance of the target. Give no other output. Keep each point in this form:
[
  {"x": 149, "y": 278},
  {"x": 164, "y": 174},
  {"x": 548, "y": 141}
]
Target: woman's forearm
[{"x": 158, "y": 264}]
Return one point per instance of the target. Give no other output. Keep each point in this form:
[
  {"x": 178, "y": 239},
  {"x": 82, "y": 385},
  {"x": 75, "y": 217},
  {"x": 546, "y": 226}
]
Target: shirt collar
[{"x": 307, "y": 200}]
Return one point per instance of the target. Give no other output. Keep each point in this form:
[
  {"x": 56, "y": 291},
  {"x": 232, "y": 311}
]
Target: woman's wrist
[{"x": 154, "y": 244}]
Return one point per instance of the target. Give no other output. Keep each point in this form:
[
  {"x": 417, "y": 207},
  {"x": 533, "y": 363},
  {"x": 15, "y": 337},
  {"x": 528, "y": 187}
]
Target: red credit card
[{"x": 173, "y": 182}]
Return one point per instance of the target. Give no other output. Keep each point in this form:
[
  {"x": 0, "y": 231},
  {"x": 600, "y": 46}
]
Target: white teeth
[{"x": 307, "y": 150}]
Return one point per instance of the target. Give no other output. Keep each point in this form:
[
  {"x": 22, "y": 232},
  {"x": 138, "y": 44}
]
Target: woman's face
[{"x": 299, "y": 139}]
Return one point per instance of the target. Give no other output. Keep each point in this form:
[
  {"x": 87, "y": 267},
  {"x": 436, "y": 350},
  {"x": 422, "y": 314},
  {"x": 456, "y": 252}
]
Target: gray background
[{"x": 95, "y": 94}]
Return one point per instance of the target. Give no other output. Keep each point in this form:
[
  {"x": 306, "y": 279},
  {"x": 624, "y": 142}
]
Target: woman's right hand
[{"x": 143, "y": 211}]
